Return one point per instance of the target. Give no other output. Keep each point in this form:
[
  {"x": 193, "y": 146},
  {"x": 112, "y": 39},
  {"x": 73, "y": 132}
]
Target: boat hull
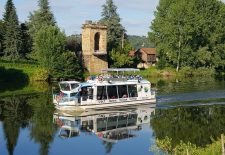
[{"x": 105, "y": 105}]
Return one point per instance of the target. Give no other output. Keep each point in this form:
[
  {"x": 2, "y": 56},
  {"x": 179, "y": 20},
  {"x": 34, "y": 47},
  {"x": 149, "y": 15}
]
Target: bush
[
  {"x": 202, "y": 71},
  {"x": 40, "y": 75},
  {"x": 67, "y": 66},
  {"x": 161, "y": 64},
  {"x": 199, "y": 72},
  {"x": 186, "y": 71},
  {"x": 165, "y": 146}
]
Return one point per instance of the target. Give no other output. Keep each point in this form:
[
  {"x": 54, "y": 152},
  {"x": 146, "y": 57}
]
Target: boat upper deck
[{"x": 108, "y": 79}]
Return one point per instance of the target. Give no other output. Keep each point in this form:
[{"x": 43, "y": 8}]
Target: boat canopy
[{"x": 121, "y": 70}]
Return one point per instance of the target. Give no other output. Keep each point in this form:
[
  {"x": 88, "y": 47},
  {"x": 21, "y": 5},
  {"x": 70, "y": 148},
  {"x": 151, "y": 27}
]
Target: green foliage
[
  {"x": 190, "y": 33},
  {"x": 182, "y": 148},
  {"x": 162, "y": 63},
  {"x": 199, "y": 72},
  {"x": 205, "y": 121},
  {"x": 42, "y": 130},
  {"x": 40, "y": 18},
  {"x": 139, "y": 41},
  {"x": 115, "y": 31},
  {"x": 73, "y": 43},
  {"x": 26, "y": 67},
  {"x": 67, "y": 67},
  {"x": 12, "y": 36},
  {"x": 2, "y": 30},
  {"x": 119, "y": 57},
  {"x": 155, "y": 72},
  {"x": 34, "y": 112},
  {"x": 15, "y": 114},
  {"x": 26, "y": 41},
  {"x": 49, "y": 44},
  {"x": 40, "y": 74}
]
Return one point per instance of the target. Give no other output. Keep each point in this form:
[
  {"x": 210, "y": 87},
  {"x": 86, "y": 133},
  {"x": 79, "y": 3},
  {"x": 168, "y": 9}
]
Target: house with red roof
[{"x": 147, "y": 57}]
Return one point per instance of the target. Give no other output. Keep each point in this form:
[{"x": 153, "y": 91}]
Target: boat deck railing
[{"x": 121, "y": 78}]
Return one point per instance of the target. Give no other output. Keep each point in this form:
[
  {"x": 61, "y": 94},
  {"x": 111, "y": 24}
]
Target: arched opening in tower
[{"x": 97, "y": 41}]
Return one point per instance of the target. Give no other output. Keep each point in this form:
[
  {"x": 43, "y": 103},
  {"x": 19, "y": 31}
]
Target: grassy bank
[
  {"x": 31, "y": 88},
  {"x": 171, "y": 72},
  {"x": 31, "y": 69},
  {"x": 166, "y": 147},
  {"x": 35, "y": 73}
]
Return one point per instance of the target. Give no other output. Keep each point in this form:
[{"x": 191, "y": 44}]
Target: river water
[{"x": 191, "y": 110}]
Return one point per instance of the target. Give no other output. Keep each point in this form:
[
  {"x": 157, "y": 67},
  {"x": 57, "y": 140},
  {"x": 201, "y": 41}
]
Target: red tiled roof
[
  {"x": 149, "y": 50},
  {"x": 131, "y": 53}
]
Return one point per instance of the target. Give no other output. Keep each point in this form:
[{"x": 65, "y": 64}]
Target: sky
[{"x": 136, "y": 15}]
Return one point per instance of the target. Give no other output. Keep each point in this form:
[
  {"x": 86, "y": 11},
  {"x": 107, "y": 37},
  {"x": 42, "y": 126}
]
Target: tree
[
  {"x": 40, "y": 18},
  {"x": 12, "y": 34},
  {"x": 1, "y": 36},
  {"x": 115, "y": 31},
  {"x": 73, "y": 43},
  {"x": 49, "y": 44},
  {"x": 49, "y": 47},
  {"x": 26, "y": 41},
  {"x": 120, "y": 58},
  {"x": 182, "y": 29},
  {"x": 139, "y": 41},
  {"x": 68, "y": 67}
]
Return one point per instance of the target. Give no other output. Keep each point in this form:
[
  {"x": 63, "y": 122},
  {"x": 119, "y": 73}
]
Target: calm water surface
[{"x": 189, "y": 110}]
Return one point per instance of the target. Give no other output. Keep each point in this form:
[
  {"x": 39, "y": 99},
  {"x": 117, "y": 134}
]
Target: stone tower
[{"x": 94, "y": 46}]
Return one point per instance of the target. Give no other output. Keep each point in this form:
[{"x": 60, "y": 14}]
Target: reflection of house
[{"x": 147, "y": 57}]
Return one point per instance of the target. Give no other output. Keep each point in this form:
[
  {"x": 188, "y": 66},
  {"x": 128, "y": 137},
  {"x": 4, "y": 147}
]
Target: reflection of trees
[
  {"x": 197, "y": 125},
  {"x": 15, "y": 113},
  {"x": 194, "y": 84},
  {"x": 42, "y": 128}
]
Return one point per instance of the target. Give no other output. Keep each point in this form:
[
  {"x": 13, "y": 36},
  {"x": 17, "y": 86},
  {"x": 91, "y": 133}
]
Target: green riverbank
[{"x": 22, "y": 70}]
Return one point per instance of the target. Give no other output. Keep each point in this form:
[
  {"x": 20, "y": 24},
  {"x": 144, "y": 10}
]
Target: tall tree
[
  {"x": 2, "y": 30},
  {"x": 189, "y": 33},
  {"x": 115, "y": 31},
  {"x": 26, "y": 41},
  {"x": 12, "y": 34},
  {"x": 49, "y": 44},
  {"x": 42, "y": 17}
]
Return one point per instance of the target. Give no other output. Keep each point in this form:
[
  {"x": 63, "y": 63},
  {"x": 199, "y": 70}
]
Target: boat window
[
  {"x": 73, "y": 94},
  {"x": 112, "y": 122},
  {"x": 122, "y": 121},
  {"x": 101, "y": 93},
  {"x": 65, "y": 86},
  {"x": 101, "y": 124},
  {"x": 132, "y": 89},
  {"x": 122, "y": 91},
  {"x": 112, "y": 92},
  {"x": 132, "y": 119},
  {"x": 84, "y": 93},
  {"x": 90, "y": 93},
  {"x": 63, "y": 94},
  {"x": 74, "y": 85}
]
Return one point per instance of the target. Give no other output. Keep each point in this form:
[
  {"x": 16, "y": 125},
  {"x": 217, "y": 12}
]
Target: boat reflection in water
[{"x": 110, "y": 126}]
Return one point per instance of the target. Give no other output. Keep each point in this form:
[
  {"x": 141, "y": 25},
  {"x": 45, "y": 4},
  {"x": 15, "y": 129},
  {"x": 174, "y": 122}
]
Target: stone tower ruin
[{"x": 94, "y": 46}]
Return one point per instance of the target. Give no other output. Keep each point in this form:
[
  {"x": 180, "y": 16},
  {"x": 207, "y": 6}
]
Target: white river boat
[{"x": 107, "y": 91}]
